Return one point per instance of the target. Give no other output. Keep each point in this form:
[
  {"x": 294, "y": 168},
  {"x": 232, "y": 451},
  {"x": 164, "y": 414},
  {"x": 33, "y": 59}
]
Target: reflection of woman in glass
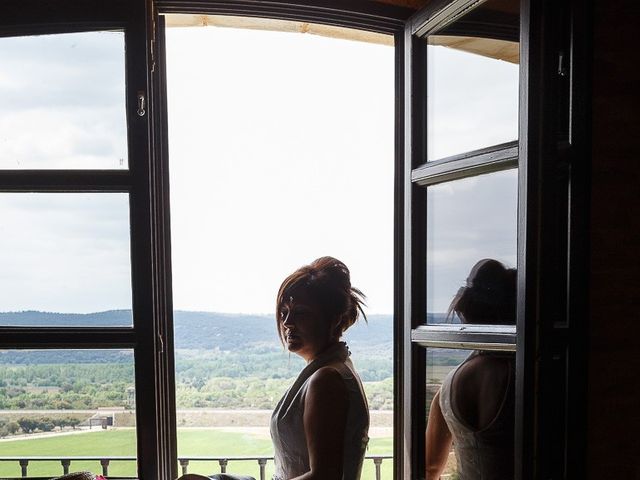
[
  {"x": 474, "y": 408},
  {"x": 319, "y": 428}
]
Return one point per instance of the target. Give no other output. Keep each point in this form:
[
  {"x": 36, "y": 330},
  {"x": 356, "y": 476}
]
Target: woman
[
  {"x": 319, "y": 427},
  {"x": 475, "y": 406}
]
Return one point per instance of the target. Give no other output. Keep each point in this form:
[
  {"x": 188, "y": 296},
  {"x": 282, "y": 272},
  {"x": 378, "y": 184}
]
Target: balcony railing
[{"x": 66, "y": 462}]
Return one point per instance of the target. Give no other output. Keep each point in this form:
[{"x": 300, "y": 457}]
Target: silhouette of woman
[
  {"x": 319, "y": 428},
  {"x": 475, "y": 406}
]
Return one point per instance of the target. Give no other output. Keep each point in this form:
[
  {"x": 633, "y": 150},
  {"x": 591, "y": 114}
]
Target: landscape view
[
  {"x": 230, "y": 372},
  {"x": 285, "y": 157}
]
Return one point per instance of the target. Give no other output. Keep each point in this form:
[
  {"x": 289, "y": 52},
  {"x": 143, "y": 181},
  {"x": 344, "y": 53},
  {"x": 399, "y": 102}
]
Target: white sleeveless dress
[
  {"x": 287, "y": 428},
  {"x": 485, "y": 454}
]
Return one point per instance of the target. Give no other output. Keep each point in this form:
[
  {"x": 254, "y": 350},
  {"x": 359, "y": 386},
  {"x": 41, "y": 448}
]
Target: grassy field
[{"x": 191, "y": 442}]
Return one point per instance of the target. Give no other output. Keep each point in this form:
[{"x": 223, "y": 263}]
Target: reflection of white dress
[
  {"x": 287, "y": 428},
  {"x": 485, "y": 454}
]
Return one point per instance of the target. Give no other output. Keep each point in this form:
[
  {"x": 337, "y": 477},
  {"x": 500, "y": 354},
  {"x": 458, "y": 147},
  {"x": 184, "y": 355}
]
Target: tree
[
  {"x": 12, "y": 427},
  {"x": 46, "y": 425},
  {"x": 72, "y": 422},
  {"x": 27, "y": 425}
]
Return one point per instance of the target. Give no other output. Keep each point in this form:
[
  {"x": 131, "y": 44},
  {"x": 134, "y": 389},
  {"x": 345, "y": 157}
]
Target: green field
[{"x": 191, "y": 442}]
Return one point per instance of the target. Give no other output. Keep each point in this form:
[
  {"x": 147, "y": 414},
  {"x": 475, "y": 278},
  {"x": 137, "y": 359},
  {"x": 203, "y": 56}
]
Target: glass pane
[
  {"x": 62, "y": 101},
  {"x": 230, "y": 251},
  {"x": 469, "y": 221},
  {"x": 472, "y": 81},
  {"x": 65, "y": 259},
  {"x": 471, "y": 421},
  {"x": 62, "y": 404}
]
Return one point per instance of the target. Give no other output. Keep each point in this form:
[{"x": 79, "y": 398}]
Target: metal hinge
[
  {"x": 142, "y": 104},
  {"x": 160, "y": 343}
]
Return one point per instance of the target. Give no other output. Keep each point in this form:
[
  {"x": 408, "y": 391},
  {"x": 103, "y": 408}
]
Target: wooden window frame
[
  {"x": 552, "y": 257},
  {"x": 422, "y": 174},
  {"x": 33, "y": 17},
  {"x": 546, "y": 337},
  {"x": 357, "y": 14}
]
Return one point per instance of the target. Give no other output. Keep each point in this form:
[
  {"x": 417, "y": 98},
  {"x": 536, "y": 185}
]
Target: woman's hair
[
  {"x": 327, "y": 282},
  {"x": 489, "y": 296}
]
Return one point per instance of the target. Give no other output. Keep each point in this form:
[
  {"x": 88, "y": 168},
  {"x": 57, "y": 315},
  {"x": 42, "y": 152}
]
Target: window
[
  {"x": 52, "y": 247},
  {"x": 76, "y": 315},
  {"x": 67, "y": 410},
  {"x": 63, "y": 98},
  {"x": 267, "y": 173},
  {"x": 464, "y": 203},
  {"x": 106, "y": 148}
]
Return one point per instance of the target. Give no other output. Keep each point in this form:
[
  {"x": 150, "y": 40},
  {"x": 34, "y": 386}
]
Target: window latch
[
  {"x": 160, "y": 343},
  {"x": 141, "y": 104},
  {"x": 562, "y": 68}
]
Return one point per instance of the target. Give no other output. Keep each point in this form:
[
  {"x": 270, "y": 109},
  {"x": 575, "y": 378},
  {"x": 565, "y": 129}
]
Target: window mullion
[
  {"x": 148, "y": 319},
  {"x": 472, "y": 337},
  {"x": 66, "y": 337},
  {"x": 486, "y": 160},
  {"x": 64, "y": 181},
  {"x": 37, "y": 17}
]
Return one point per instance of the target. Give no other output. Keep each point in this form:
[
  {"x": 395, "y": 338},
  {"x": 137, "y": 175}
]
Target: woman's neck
[{"x": 327, "y": 347}]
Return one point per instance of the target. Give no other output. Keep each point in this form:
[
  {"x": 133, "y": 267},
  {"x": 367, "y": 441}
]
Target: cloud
[
  {"x": 64, "y": 252},
  {"x": 468, "y": 220},
  {"x": 63, "y": 101},
  {"x": 281, "y": 150},
  {"x": 472, "y": 102}
]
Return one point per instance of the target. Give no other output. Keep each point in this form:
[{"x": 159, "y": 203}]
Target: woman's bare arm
[
  {"x": 438, "y": 440},
  {"x": 325, "y": 418}
]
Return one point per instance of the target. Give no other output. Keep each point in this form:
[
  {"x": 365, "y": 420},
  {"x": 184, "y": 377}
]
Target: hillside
[
  {"x": 221, "y": 361},
  {"x": 210, "y": 345}
]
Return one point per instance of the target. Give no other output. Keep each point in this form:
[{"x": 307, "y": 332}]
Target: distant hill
[
  {"x": 29, "y": 318},
  {"x": 202, "y": 330},
  {"x": 210, "y": 330},
  {"x": 241, "y": 335},
  {"x": 123, "y": 318},
  {"x": 219, "y": 360}
]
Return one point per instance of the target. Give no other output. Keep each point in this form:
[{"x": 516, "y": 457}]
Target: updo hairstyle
[
  {"x": 327, "y": 282},
  {"x": 489, "y": 297}
]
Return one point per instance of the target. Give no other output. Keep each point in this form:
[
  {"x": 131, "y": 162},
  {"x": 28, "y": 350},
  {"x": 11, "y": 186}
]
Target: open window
[
  {"x": 493, "y": 170},
  {"x": 281, "y": 150},
  {"x": 463, "y": 197},
  {"x": 77, "y": 321},
  {"x": 489, "y": 117}
]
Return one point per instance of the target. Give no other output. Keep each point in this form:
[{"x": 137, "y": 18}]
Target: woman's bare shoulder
[
  {"x": 327, "y": 377},
  {"x": 484, "y": 365},
  {"x": 326, "y": 383}
]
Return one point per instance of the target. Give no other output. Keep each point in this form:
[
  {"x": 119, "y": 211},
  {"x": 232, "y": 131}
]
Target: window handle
[
  {"x": 160, "y": 343},
  {"x": 141, "y": 104},
  {"x": 562, "y": 68}
]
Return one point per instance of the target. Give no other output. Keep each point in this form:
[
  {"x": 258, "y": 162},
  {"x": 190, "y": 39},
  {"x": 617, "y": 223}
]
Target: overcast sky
[
  {"x": 62, "y": 101},
  {"x": 281, "y": 151}
]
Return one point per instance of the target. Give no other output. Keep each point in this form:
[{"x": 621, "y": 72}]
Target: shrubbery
[
  {"x": 36, "y": 424},
  {"x": 8, "y": 428},
  {"x": 256, "y": 378}
]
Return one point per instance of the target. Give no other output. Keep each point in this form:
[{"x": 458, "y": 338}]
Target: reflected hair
[
  {"x": 327, "y": 281},
  {"x": 489, "y": 296}
]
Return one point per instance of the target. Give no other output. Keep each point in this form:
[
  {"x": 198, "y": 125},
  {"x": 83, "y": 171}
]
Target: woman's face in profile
[{"x": 306, "y": 331}]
